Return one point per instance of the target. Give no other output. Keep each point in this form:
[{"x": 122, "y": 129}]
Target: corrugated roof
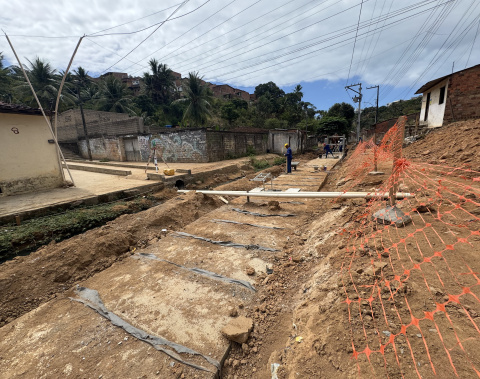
[
  {"x": 20, "y": 108},
  {"x": 434, "y": 82}
]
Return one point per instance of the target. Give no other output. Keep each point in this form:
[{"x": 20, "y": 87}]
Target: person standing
[
  {"x": 327, "y": 149},
  {"x": 289, "y": 158}
]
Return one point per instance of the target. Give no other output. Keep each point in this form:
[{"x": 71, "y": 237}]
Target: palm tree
[
  {"x": 5, "y": 82},
  {"x": 113, "y": 96},
  {"x": 198, "y": 99},
  {"x": 82, "y": 83},
  {"x": 45, "y": 82},
  {"x": 160, "y": 83}
]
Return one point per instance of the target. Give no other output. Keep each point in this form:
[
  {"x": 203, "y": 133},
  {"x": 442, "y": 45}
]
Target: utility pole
[
  {"x": 375, "y": 169},
  {"x": 376, "y": 110},
  {"x": 357, "y": 99}
]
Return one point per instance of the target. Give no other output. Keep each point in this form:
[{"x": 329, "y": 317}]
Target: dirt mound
[
  {"x": 29, "y": 281},
  {"x": 456, "y": 145}
]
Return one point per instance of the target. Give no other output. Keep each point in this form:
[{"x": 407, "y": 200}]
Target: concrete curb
[{"x": 101, "y": 170}]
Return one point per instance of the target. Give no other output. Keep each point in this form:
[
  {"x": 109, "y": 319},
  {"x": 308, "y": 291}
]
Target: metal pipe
[{"x": 317, "y": 195}]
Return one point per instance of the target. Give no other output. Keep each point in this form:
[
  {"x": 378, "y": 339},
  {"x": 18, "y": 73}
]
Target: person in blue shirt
[
  {"x": 327, "y": 149},
  {"x": 289, "y": 158}
]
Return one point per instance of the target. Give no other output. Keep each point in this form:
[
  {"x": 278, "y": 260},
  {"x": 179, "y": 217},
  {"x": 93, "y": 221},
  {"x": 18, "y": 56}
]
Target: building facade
[
  {"x": 451, "y": 98},
  {"x": 28, "y": 155}
]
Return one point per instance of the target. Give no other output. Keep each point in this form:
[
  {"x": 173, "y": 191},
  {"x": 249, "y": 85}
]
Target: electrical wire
[
  {"x": 260, "y": 36},
  {"x": 138, "y": 19},
  {"x": 175, "y": 11},
  {"x": 151, "y": 26},
  {"x": 353, "y": 51},
  {"x": 189, "y": 30},
  {"x": 365, "y": 25},
  {"x": 473, "y": 44},
  {"x": 322, "y": 48},
  {"x": 208, "y": 31}
]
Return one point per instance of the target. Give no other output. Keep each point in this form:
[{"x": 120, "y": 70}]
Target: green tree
[
  {"x": 198, "y": 100},
  {"x": 45, "y": 82},
  {"x": 5, "y": 82},
  {"x": 160, "y": 84},
  {"x": 229, "y": 112},
  {"x": 342, "y": 110},
  {"x": 273, "y": 93},
  {"x": 333, "y": 125},
  {"x": 114, "y": 96}
]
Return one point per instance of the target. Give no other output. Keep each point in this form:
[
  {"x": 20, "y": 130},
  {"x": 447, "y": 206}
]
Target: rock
[
  {"x": 376, "y": 269},
  {"x": 238, "y": 329},
  {"x": 245, "y": 347},
  {"x": 235, "y": 363},
  {"x": 297, "y": 258},
  {"x": 250, "y": 270},
  {"x": 273, "y": 205},
  {"x": 233, "y": 312}
]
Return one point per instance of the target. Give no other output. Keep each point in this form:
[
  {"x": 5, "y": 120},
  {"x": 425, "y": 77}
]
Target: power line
[
  {"x": 473, "y": 44},
  {"x": 151, "y": 26},
  {"x": 138, "y": 19},
  {"x": 261, "y": 36},
  {"x": 217, "y": 62},
  {"x": 322, "y": 48},
  {"x": 240, "y": 27},
  {"x": 394, "y": 14},
  {"x": 353, "y": 51},
  {"x": 208, "y": 31},
  {"x": 175, "y": 11},
  {"x": 189, "y": 30}
]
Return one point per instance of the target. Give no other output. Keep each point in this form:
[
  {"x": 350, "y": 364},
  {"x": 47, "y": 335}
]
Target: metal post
[
  {"x": 375, "y": 130},
  {"x": 397, "y": 154},
  {"x": 359, "y": 111}
]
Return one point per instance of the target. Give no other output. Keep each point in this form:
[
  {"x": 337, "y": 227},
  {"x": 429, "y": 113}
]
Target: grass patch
[
  {"x": 31, "y": 234},
  {"x": 259, "y": 165}
]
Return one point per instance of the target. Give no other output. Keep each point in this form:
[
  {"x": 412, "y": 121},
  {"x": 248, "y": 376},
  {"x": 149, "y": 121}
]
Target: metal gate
[{"x": 132, "y": 151}]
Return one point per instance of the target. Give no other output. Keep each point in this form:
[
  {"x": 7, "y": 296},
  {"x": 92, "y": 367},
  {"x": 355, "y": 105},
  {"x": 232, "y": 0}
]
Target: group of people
[{"x": 288, "y": 154}]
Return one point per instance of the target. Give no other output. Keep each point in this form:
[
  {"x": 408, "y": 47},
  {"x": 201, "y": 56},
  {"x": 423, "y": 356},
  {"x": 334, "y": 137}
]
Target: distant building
[
  {"x": 451, "y": 98},
  {"x": 28, "y": 155}
]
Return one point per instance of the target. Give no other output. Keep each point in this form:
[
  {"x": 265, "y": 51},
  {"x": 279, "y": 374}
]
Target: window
[{"x": 441, "y": 99}]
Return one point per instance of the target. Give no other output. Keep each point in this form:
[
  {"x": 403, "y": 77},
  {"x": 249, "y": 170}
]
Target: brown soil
[
  {"x": 302, "y": 319},
  {"x": 455, "y": 145},
  {"x": 29, "y": 281}
]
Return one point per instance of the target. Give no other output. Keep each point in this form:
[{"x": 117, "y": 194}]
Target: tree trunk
[{"x": 85, "y": 132}]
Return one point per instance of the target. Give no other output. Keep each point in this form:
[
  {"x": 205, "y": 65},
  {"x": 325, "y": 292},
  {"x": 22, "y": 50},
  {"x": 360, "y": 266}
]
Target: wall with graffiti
[{"x": 178, "y": 146}]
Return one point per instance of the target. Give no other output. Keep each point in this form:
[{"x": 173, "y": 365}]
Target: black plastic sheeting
[
  {"x": 227, "y": 243},
  {"x": 91, "y": 299},
  {"x": 246, "y": 223},
  {"x": 209, "y": 274},
  {"x": 262, "y": 214}
]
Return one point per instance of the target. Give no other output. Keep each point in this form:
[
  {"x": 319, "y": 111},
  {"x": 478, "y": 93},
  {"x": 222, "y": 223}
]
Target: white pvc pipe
[{"x": 317, "y": 195}]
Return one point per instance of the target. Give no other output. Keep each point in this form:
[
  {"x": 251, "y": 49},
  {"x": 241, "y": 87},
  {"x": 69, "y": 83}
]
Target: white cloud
[{"x": 378, "y": 58}]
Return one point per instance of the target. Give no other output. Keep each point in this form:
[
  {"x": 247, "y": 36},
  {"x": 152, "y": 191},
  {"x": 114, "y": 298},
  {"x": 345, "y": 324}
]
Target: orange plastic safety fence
[{"x": 412, "y": 290}]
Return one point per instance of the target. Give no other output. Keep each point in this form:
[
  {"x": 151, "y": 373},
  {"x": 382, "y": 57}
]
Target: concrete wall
[
  {"x": 226, "y": 145},
  {"x": 278, "y": 138},
  {"x": 463, "y": 98},
  {"x": 435, "y": 110},
  {"x": 104, "y": 148},
  {"x": 70, "y": 126},
  {"x": 28, "y": 162},
  {"x": 187, "y": 145}
]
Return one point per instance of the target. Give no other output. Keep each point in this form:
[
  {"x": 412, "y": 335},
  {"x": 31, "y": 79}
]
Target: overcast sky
[{"x": 398, "y": 45}]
